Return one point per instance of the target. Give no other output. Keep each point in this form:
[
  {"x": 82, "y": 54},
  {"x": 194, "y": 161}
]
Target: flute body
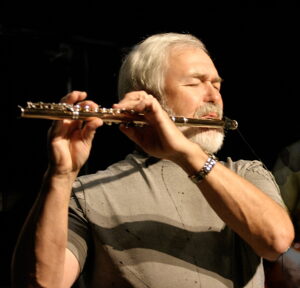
[{"x": 59, "y": 111}]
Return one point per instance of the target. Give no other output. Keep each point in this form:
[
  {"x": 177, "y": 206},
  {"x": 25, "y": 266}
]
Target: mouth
[{"x": 211, "y": 115}]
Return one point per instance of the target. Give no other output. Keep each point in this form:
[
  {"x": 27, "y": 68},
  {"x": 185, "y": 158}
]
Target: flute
[{"x": 59, "y": 111}]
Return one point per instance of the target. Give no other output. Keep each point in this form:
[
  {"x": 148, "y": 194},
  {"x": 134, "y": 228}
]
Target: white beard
[{"x": 210, "y": 140}]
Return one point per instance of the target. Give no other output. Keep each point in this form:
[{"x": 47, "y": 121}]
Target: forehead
[{"x": 190, "y": 56}]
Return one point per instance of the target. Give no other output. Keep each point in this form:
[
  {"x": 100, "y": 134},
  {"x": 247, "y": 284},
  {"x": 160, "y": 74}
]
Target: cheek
[
  {"x": 190, "y": 107},
  {"x": 183, "y": 103},
  {"x": 186, "y": 107}
]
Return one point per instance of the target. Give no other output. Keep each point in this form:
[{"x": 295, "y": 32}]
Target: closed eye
[
  {"x": 217, "y": 86},
  {"x": 196, "y": 82},
  {"x": 192, "y": 84}
]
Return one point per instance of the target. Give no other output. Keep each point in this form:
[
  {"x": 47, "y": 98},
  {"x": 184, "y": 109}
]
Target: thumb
[{"x": 89, "y": 129}]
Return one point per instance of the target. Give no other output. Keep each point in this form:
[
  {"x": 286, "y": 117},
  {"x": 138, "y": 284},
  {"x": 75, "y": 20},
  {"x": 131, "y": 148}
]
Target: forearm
[
  {"x": 259, "y": 220},
  {"x": 39, "y": 255}
]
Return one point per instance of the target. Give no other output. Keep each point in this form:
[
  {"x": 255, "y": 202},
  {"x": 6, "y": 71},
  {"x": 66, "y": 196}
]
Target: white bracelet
[{"x": 208, "y": 166}]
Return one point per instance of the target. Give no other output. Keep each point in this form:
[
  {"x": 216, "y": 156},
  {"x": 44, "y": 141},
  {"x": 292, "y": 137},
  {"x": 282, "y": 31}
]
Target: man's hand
[
  {"x": 160, "y": 138},
  {"x": 70, "y": 141}
]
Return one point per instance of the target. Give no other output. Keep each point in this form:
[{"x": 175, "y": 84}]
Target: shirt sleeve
[{"x": 255, "y": 172}]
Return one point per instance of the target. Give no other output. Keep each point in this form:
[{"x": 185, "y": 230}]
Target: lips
[{"x": 210, "y": 116}]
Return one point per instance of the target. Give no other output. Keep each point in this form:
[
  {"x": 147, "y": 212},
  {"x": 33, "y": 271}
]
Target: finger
[
  {"x": 64, "y": 128},
  {"x": 135, "y": 95},
  {"x": 132, "y": 98},
  {"x": 137, "y": 101},
  {"x": 146, "y": 105},
  {"x": 87, "y": 105},
  {"x": 90, "y": 106},
  {"x": 89, "y": 129},
  {"x": 74, "y": 97}
]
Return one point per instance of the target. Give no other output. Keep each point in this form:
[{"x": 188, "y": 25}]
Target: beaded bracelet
[{"x": 209, "y": 164}]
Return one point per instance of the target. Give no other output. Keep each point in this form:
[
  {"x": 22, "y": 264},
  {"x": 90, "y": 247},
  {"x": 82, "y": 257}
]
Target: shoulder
[
  {"x": 124, "y": 171},
  {"x": 257, "y": 173},
  {"x": 130, "y": 163},
  {"x": 245, "y": 167}
]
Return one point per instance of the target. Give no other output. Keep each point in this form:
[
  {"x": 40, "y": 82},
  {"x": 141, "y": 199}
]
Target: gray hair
[{"x": 144, "y": 67}]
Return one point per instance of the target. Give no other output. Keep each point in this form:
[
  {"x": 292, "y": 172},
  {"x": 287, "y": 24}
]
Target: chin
[{"x": 210, "y": 140}]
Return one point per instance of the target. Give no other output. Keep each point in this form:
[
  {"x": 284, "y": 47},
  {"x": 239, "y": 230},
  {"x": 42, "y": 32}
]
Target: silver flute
[{"x": 59, "y": 111}]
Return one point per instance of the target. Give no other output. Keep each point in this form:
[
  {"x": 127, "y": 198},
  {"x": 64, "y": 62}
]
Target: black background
[{"x": 48, "y": 50}]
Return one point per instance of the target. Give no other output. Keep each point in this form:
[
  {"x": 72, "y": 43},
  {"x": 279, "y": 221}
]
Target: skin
[{"x": 191, "y": 79}]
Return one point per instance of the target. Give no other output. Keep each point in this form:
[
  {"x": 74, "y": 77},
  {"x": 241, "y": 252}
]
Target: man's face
[
  {"x": 192, "y": 89},
  {"x": 191, "y": 81}
]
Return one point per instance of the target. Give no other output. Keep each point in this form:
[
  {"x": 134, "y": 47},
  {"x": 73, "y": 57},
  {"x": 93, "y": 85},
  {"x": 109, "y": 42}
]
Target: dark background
[{"x": 48, "y": 50}]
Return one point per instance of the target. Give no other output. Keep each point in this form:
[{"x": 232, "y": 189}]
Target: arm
[
  {"x": 259, "y": 220},
  {"x": 41, "y": 258}
]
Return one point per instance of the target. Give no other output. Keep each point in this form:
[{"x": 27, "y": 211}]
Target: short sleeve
[{"x": 255, "y": 172}]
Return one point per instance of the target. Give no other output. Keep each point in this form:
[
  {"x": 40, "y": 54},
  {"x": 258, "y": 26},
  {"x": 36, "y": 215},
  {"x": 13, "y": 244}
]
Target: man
[{"x": 170, "y": 214}]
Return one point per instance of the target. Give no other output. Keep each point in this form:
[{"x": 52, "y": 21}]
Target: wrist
[
  {"x": 62, "y": 173},
  {"x": 205, "y": 170},
  {"x": 192, "y": 160},
  {"x": 64, "y": 179}
]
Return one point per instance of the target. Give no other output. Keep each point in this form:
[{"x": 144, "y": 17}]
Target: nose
[{"x": 212, "y": 94}]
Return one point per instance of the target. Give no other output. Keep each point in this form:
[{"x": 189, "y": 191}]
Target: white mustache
[{"x": 209, "y": 108}]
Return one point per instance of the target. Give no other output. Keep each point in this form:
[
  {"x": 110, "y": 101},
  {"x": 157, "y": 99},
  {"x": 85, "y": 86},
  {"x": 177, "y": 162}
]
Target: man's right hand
[{"x": 70, "y": 141}]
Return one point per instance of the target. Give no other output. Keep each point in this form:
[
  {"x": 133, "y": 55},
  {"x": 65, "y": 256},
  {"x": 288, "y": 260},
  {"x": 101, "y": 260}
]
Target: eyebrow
[
  {"x": 214, "y": 80},
  {"x": 218, "y": 79}
]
